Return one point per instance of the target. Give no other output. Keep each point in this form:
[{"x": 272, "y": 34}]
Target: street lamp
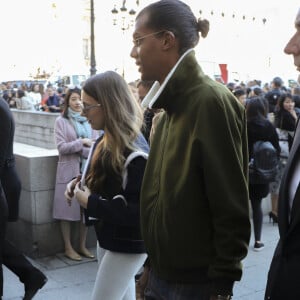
[
  {"x": 93, "y": 69},
  {"x": 124, "y": 19}
]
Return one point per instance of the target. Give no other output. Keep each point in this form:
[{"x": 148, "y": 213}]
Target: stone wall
[
  {"x": 36, "y": 233},
  {"x": 35, "y": 128}
]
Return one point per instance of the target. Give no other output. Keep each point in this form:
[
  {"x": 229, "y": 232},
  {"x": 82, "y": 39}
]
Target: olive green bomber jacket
[{"x": 194, "y": 199}]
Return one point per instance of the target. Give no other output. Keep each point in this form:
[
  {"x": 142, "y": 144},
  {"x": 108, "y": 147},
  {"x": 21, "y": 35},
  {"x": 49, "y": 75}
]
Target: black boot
[{"x": 35, "y": 282}]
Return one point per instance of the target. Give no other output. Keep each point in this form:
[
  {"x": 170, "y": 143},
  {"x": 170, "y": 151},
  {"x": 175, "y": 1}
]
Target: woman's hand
[
  {"x": 69, "y": 192},
  {"x": 293, "y": 113},
  {"x": 82, "y": 194},
  {"x": 87, "y": 142}
]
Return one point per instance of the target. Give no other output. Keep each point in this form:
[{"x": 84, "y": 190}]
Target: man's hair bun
[{"x": 203, "y": 27}]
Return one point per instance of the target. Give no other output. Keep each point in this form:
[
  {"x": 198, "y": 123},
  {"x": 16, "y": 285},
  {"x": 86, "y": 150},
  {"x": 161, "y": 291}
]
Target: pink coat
[{"x": 70, "y": 149}]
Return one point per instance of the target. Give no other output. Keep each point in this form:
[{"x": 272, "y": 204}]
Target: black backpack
[{"x": 263, "y": 166}]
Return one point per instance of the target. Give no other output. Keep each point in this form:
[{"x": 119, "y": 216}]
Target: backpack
[{"x": 263, "y": 167}]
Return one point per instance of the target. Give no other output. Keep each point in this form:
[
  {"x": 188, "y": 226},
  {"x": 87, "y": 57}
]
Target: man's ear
[{"x": 169, "y": 40}]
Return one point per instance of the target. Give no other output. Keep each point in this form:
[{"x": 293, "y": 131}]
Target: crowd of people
[
  {"x": 34, "y": 96},
  {"x": 275, "y": 107},
  {"x": 149, "y": 171}
]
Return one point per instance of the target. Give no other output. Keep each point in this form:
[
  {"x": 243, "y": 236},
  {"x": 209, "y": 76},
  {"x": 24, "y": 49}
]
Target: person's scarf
[{"x": 82, "y": 128}]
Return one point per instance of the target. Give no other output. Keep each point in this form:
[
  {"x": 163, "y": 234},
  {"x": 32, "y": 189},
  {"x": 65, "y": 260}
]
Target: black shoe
[
  {"x": 37, "y": 281},
  {"x": 258, "y": 246},
  {"x": 273, "y": 217}
]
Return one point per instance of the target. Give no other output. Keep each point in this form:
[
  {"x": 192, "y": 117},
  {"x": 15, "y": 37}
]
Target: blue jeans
[{"x": 158, "y": 289}]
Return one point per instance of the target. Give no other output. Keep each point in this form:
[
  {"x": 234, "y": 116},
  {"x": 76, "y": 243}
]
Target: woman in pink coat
[{"x": 74, "y": 137}]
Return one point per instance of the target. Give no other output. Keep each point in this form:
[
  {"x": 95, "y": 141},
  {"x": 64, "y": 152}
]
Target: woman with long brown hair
[{"x": 110, "y": 190}]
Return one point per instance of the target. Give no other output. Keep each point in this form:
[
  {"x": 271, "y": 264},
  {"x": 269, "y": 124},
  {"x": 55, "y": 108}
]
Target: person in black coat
[
  {"x": 273, "y": 95},
  {"x": 259, "y": 129},
  {"x": 110, "y": 186},
  {"x": 286, "y": 115},
  {"x": 285, "y": 123},
  {"x": 10, "y": 189},
  {"x": 143, "y": 88},
  {"x": 296, "y": 96},
  {"x": 3, "y": 220},
  {"x": 283, "y": 278}
]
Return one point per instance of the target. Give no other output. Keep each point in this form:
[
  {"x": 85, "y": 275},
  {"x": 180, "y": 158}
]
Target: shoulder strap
[{"x": 129, "y": 159}]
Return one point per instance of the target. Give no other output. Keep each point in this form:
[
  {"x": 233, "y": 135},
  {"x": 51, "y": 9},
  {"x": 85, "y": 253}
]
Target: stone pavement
[
  {"x": 68, "y": 280},
  {"x": 256, "y": 265}
]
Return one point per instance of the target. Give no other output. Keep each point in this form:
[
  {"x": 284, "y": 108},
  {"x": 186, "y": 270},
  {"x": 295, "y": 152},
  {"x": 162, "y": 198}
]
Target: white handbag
[{"x": 283, "y": 136}]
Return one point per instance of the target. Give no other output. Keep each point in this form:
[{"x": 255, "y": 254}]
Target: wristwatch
[{"x": 223, "y": 297}]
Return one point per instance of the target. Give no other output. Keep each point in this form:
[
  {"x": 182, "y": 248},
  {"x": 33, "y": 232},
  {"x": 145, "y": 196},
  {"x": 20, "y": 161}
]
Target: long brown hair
[{"x": 123, "y": 121}]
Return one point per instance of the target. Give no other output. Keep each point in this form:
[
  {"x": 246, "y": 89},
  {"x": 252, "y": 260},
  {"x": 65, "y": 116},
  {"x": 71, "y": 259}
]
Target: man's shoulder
[
  {"x": 206, "y": 87},
  {"x": 273, "y": 93},
  {"x": 213, "y": 93},
  {"x": 4, "y": 105}
]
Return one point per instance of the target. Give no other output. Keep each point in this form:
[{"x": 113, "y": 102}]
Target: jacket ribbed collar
[{"x": 183, "y": 74}]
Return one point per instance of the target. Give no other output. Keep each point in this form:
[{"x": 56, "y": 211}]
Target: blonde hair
[{"x": 123, "y": 121}]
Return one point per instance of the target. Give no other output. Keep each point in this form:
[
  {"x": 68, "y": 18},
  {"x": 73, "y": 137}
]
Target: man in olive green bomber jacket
[{"x": 194, "y": 199}]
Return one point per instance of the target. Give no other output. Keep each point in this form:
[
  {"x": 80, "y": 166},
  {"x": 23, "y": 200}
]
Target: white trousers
[{"x": 115, "y": 275}]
